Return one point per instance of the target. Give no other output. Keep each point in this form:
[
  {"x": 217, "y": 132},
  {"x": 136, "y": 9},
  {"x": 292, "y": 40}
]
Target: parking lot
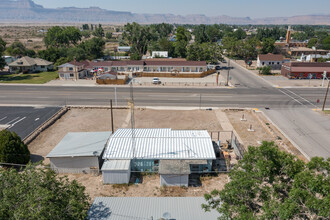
[{"x": 24, "y": 120}]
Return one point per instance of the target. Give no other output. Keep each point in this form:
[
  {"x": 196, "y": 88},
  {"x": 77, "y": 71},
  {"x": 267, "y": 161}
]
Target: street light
[
  {"x": 326, "y": 95},
  {"x": 228, "y": 72}
]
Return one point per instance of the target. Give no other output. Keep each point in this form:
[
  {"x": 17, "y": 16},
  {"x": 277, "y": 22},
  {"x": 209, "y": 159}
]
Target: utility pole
[
  {"x": 112, "y": 129},
  {"x": 228, "y": 72},
  {"x": 326, "y": 95}
]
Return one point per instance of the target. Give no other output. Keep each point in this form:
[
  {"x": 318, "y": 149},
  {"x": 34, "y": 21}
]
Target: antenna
[{"x": 131, "y": 101}]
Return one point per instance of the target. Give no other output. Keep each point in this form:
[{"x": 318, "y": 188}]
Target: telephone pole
[
  {"x": 326, "y": 95},
  {"x": 228, "y": 72}
]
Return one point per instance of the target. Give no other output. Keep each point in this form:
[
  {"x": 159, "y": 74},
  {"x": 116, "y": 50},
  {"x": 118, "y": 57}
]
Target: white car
[{"x": 156, "y": 81}]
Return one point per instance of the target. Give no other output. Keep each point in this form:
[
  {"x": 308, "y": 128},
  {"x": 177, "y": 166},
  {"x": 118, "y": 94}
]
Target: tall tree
[
  {"x": 38, "y": 193},
  {"x": 268, "y": 45},
  {"x": 2, "y": 49},
  {"x": 99, "y": 32},
  {"x": 13, "y": 149},
  {"x": 18, "y": 49},
  {"x": 62, "y": 36},
  {"x": 271, "y": 184}
]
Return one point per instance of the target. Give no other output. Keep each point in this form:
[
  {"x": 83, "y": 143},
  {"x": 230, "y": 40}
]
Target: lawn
[
  {"x": 327, "y": 111},
  {"x": 33, "y": 78}
]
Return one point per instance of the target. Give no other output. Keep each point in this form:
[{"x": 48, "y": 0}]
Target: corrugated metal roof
[
  {"x": 123, "y": 208},
  {"x": 116, "y": 165},
  {"x": 81, "y": 144},
  {"x": 160, "y": 144}
]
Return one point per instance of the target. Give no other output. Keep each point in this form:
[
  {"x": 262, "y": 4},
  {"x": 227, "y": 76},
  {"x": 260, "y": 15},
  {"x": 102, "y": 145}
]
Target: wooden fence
[
  {"x": 112, "y": 81},
  {"x": 175, "y": 75}
]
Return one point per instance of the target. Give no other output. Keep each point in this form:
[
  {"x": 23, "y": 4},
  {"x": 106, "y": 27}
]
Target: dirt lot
[
  {"x": 82, "y": 120},
  {"x": 149, "y": 188}
]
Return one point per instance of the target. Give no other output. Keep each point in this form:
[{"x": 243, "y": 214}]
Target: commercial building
[
  {"x": 304, "y": 70},
  {"x": 273, "y": 60},
  {"x": 152, "y": 208},
  {"x": 30, "y": 65},
  {"x": 174, "y": 153},
  {"x": 79, "y": 152}
]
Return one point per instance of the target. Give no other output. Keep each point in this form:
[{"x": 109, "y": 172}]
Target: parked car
[
  {"x": 217, "y": 68},
  {"x": 156, "y": 81}
]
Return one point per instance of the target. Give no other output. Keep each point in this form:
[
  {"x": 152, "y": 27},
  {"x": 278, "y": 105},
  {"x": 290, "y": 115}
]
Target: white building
[
  {"x": 79, "y": 152},
  {"x": 159, "y": 54},
  {"x": 273, "y": 60}
]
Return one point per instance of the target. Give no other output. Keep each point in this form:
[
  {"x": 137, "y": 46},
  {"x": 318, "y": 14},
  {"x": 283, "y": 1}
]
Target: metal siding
[
  {"x": 160, "y": 144},
  {"x": 116, "y": 165},
  {"x": 73, "y": 164},
  {"x": 123, "y": 208},
  {"x": 116, "y": 176},
  {"x": 174, "y": 180}
]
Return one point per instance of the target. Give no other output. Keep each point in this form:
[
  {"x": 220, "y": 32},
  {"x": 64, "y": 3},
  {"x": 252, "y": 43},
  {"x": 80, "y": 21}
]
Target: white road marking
[
  {"x": 3, "y": 118},
  {"x": 36, "y": 119},
  {"x": 302, "y": 98},
  {"x": 291, "y": 97},
  {"x": 12, "y": 125},
  {"x": 12, "y": 120}
]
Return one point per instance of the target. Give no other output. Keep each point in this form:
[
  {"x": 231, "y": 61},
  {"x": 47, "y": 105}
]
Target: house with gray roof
[{"x": 30, "y": 65}]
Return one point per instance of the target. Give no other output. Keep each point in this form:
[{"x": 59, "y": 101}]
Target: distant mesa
[{"x": 27, "y": 11}]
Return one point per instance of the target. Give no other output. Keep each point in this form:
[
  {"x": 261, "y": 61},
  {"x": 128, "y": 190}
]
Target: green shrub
[{"x": 266, "y": 70}]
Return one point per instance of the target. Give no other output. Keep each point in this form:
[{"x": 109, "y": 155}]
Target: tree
[
  {"x": 265, "y": 70},
  {"x": 138, "y": 37},
  {"x": 271, "y": 184},
  {"x": 182, "y": 34},
  {"x": 239, "y": 34},
  {"x": 99, "y": 32},
  {"x": 210, "y": 52},
  {"x": 268, "y": 45},
  {"x": 38, "y": 193},
  {"x": 108, "y": 35},
  {"x": 62, "y": 36},
  {"x": 2, "y": 49},
  {"x": 85, "y": 27},
  {"x": 93, "y": 48},
  {"x": 12, "y": 148},
  {"x": 18, "y": 49},
  {"x": 326, "y": 43},
  {"x": 312, "y": 42}
]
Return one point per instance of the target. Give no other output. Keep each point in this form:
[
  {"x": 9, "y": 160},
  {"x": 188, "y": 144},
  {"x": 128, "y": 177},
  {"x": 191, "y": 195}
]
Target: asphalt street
[
  {"x": 24, "y": 120},
  {"x": 289, "y": 108}
]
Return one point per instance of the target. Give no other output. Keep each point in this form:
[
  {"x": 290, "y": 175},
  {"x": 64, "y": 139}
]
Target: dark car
[{"x": 217, "y": 68}]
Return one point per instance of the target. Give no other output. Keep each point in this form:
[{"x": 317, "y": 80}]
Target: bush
[
  {"x": 13, "y": 149},
  {"x": 266, "y": 70}
]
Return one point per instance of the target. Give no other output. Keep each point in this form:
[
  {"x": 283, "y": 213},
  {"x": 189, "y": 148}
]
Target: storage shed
[
  {"x": 116, "y": 171},
  {"x": 79, "y": 152},
  {"x": 174, "y": 173}
]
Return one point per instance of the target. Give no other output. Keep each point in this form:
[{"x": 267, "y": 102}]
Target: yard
[
  {"x": 88, "y": 119},
  {"x": 32, "y": 78}
]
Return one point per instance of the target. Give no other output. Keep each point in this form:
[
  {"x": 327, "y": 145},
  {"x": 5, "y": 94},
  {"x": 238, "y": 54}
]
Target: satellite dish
[{"x": 166, "y": 215}]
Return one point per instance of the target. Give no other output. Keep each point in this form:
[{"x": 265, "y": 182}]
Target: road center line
[
  {"x": 12, "y": 120},
  {"x": 3, "y": 118}
]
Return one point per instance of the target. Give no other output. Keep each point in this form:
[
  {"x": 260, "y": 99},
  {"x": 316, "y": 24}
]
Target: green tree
[
  {"x": 85, "y": 27},
  {"x": 2, "y": 49},
  {"x": 299, "y": 36},
  {"x": 326, "y": 43},
  {"x": 12, "y": 148},
  {"x": 18, "y": 49},
  {"x": 182, "y": 34},
  {"x": 93, "y": 48},
  {"x": 138, "y": 37},
  {"x": 271, "y": 184},
  {"x": 62, "y": 36},
  {"x": 210, "y": 52},
  {"x": 265, "y": 70},
  {"x": 99, "y": 32},
  {"x": 268, "y": 45},
  {"x": 108, "y": 35},
  {"x": 312, "y": 42},
  {"x": 38, "y": 193},
  {"x": 239, "y": 34}
]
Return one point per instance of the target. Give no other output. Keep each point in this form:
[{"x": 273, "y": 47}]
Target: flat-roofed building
[{"x": 304, "y": 70}]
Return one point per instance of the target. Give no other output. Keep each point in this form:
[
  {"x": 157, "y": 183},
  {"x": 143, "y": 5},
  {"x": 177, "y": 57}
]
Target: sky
[{"x": 234, "y": 8}]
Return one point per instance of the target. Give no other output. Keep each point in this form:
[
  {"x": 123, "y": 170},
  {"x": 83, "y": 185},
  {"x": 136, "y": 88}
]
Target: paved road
[
  {"x": 24, "y": 120},
  {"x": 290, "y": 108}
]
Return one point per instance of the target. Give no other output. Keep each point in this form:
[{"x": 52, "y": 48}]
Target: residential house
[
  {"x": 73, "y": 70},
  {"x": 30, "y": 65},
  {"x": 273, "y": 60}
]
